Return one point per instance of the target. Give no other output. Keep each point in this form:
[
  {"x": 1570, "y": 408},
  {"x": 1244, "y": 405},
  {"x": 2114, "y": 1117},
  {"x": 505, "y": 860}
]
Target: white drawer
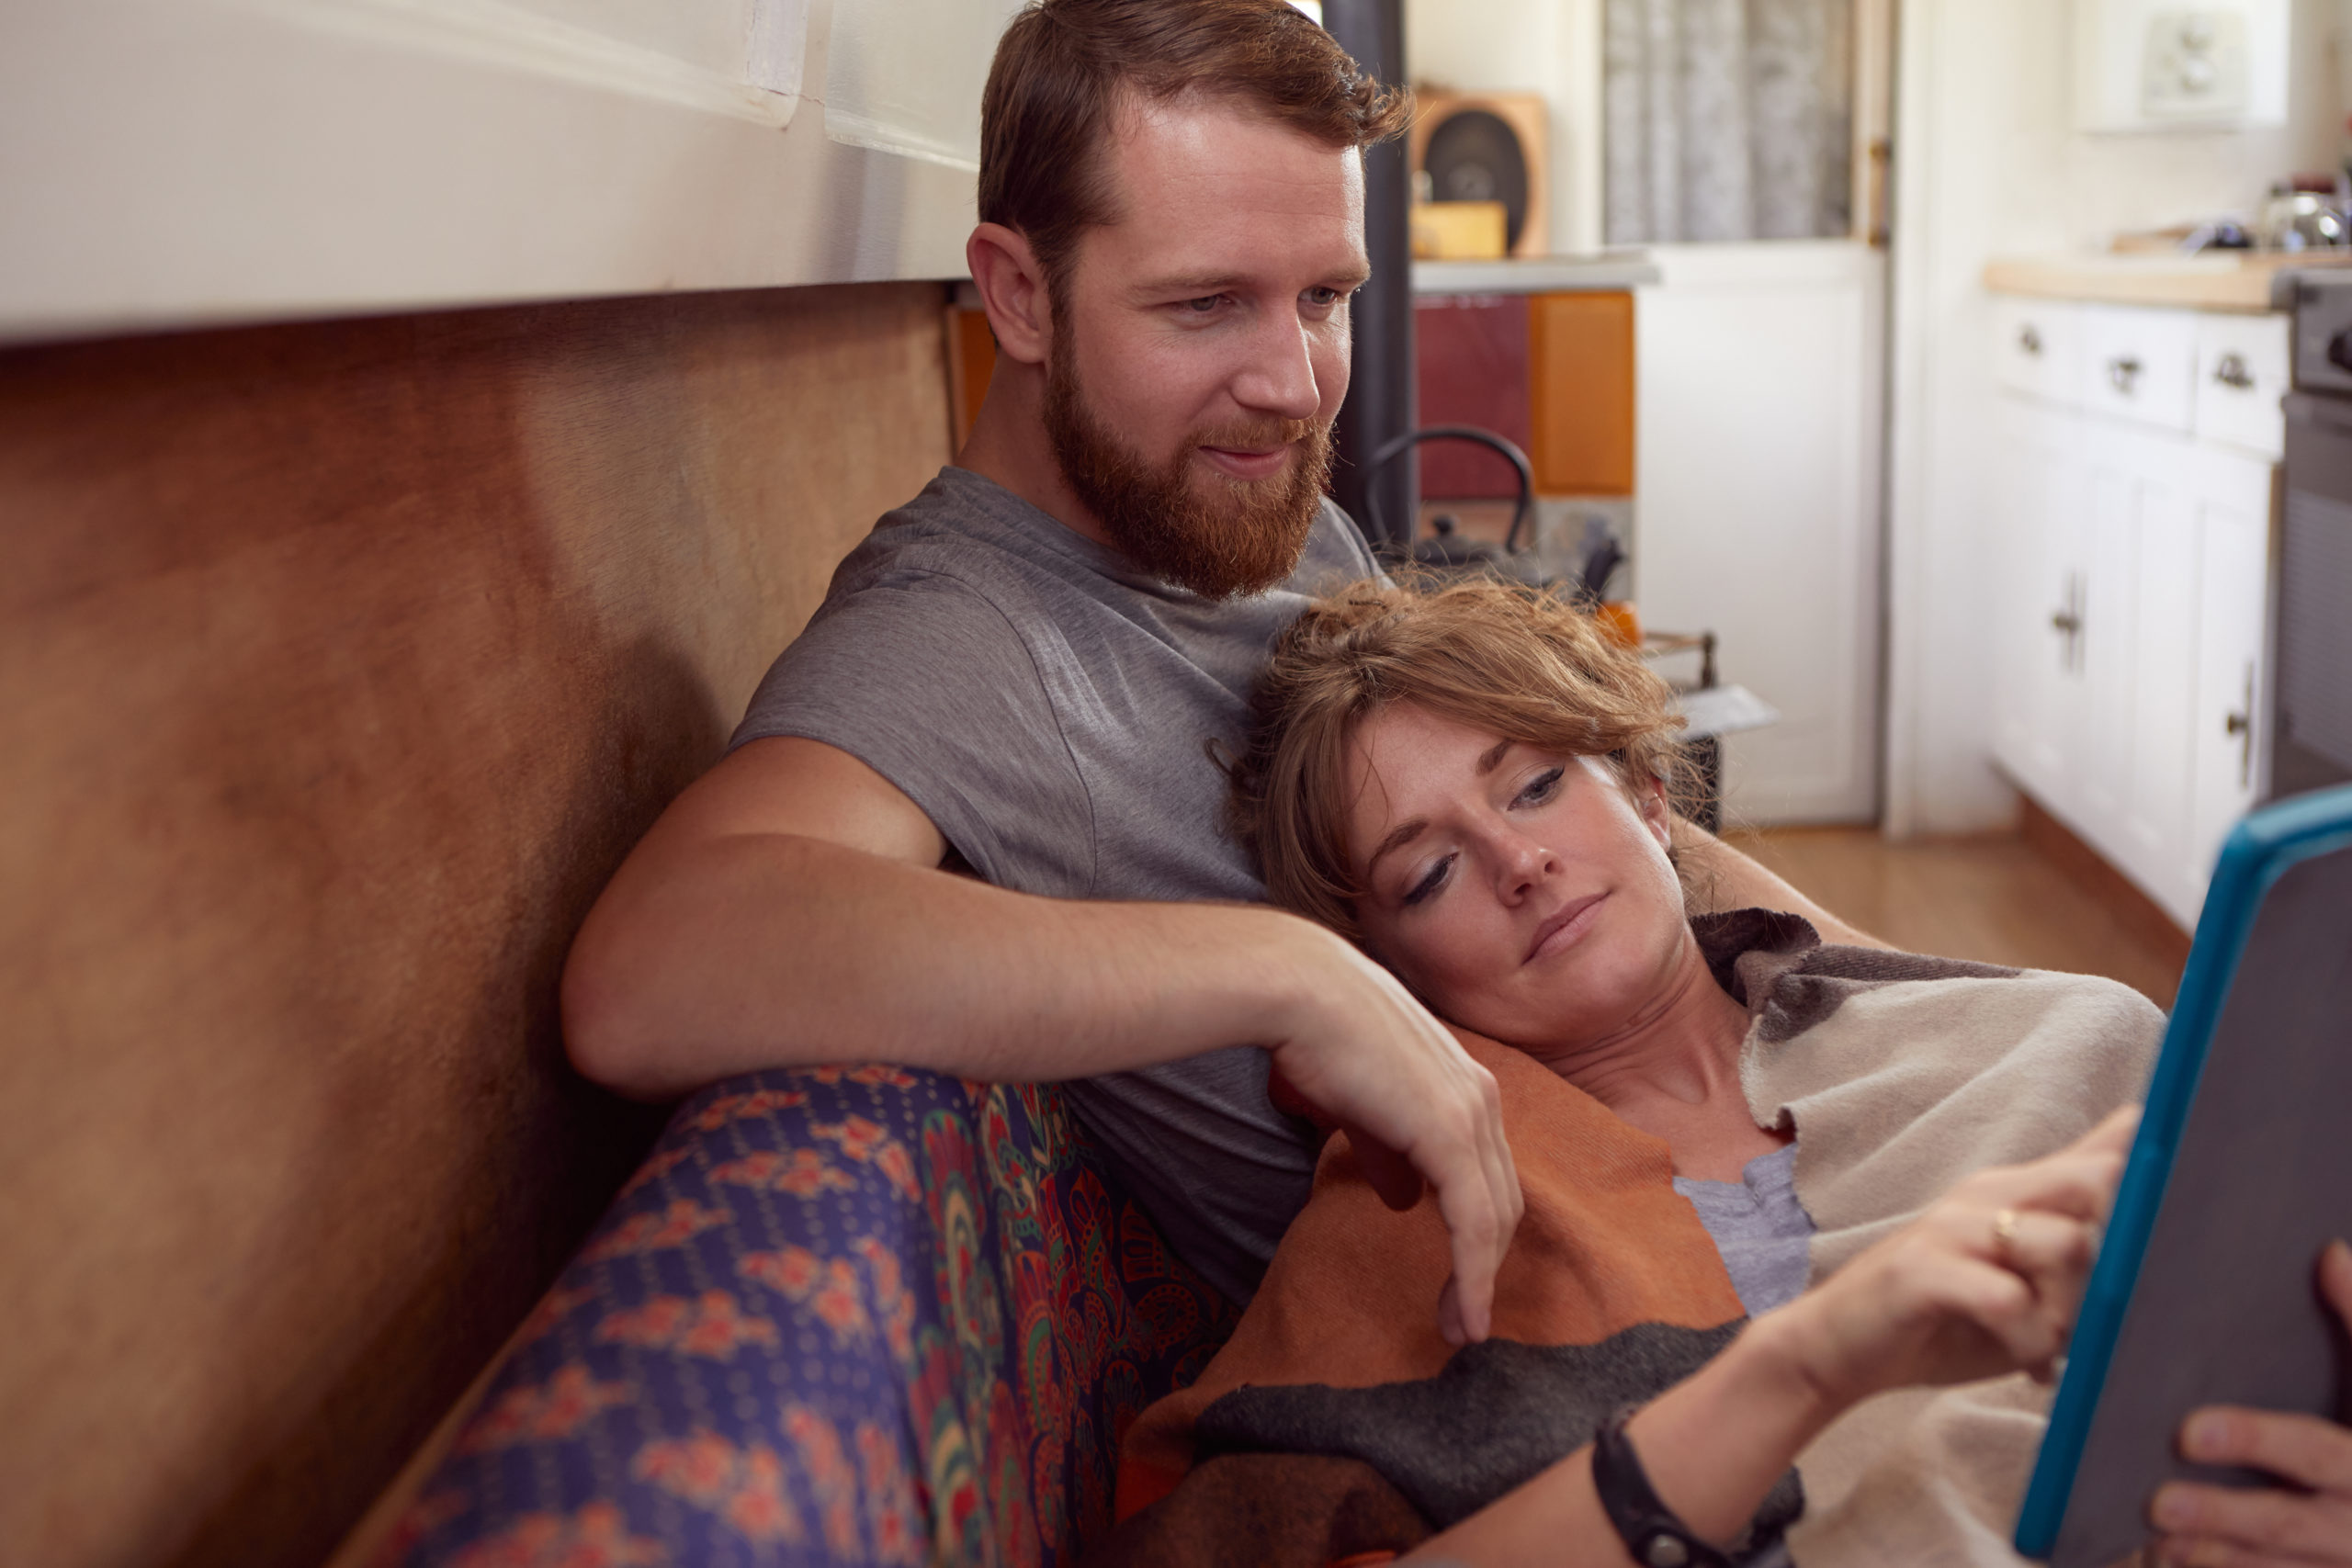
[
  {"x": 2241, "y": 373},
  {"x": 2037, "y": 347},
  {"x": 2139, "y": 364}
]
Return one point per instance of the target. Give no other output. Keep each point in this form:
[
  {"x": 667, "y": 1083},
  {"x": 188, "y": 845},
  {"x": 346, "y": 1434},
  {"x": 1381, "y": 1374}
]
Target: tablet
[{"x": 2203, "y": 1291}]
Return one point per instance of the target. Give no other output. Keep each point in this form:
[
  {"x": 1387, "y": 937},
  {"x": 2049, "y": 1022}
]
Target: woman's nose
[{"x": 1523, "y": 864}]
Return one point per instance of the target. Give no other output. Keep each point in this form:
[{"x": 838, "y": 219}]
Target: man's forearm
[
  {"x": 1720, "y": 877},
  {"x": 771, "y": 949}
]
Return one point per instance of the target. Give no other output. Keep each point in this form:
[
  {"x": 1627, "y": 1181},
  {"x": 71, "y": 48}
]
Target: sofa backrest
[
  {"x": 840, "y": 1316},
  {"x": 340, "y": 663}
]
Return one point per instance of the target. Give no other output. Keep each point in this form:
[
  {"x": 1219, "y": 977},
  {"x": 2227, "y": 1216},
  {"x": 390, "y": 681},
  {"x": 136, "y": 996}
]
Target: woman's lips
[{"x": 1565, "y": 927}]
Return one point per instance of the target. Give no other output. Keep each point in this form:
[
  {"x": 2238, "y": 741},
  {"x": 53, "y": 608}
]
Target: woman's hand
[
  {"x": 2307, "y": 1521},
  {"x": 1985, "y": 1281}
]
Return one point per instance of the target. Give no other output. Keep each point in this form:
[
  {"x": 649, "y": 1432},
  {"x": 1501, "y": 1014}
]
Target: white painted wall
[
  {"x": 183, "y": 162},
  {"x": 1552, "y": 46},
  {"x": 1987, "y": 164}
]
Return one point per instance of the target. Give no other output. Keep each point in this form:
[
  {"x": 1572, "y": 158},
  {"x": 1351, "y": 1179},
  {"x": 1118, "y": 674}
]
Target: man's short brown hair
[{"x": 1062, "y": 65}]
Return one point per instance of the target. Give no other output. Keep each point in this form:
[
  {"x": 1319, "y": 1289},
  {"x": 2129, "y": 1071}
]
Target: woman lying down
[{"x": 1894, "y": 1166}]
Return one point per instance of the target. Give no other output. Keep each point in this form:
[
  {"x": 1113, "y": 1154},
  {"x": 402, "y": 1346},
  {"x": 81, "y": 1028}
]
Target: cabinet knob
[
  {"x": 2241, "y": 723},
  {"x": 2231, "y": 372},
  {"x": 2122, "y": 373},
  {"x": 2030, "y": 340}
]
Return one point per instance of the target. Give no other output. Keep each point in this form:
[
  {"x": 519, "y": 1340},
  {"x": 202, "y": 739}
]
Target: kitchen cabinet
[{"x": 2135, "y": 491}]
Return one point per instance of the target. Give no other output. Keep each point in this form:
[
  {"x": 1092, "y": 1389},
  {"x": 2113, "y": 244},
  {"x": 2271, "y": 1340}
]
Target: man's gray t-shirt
[{"x": 1050, "y": 708}]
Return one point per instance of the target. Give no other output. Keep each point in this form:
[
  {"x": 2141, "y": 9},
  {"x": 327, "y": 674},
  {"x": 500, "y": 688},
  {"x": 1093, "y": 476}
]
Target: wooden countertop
[{"x": 2214, "y": 280}]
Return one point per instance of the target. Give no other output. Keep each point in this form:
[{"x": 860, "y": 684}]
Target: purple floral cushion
[{"x": 841, "y": 1315}]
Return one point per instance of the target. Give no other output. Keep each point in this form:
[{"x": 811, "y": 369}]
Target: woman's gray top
[{"x": 1759, "y": 1226}]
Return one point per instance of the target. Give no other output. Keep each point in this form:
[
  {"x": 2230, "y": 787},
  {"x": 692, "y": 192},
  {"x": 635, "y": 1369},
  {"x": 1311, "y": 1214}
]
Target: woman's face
[{"x": 1524, "y": 895}]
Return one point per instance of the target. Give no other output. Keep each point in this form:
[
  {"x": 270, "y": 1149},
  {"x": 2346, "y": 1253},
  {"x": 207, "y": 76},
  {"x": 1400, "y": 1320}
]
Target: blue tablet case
[{"x": 2203, "y": 1291}]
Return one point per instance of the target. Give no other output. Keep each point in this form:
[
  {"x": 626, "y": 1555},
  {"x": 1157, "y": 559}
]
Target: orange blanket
[{"x": 1350, "y": 1299}]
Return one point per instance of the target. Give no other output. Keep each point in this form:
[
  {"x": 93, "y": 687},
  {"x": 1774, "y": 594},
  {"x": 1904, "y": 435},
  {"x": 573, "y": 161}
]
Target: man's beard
[{"x": 1216, "y": 535}]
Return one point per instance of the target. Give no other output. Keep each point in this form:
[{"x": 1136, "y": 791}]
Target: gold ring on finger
[{"x": 2005, "y": 1231}]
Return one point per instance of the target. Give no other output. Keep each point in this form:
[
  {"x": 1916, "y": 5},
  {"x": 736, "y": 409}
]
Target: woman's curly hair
[{"x": 1521, "y": 664}]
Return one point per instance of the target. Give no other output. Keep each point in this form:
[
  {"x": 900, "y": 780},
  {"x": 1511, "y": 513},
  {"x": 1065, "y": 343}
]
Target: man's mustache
[{"x": 1257, "y": 435}]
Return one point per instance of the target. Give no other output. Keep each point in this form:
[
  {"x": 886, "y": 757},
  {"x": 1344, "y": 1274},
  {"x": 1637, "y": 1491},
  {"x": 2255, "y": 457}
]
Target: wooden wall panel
[{"x": 339, "y": 664}]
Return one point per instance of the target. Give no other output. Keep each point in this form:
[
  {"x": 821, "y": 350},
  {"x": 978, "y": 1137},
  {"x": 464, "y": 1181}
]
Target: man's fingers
[
  {"x": 2336, "y": 1279},
  {"x": 2301, "y": 1449},
  {"x": 2221, "y": 1524}
]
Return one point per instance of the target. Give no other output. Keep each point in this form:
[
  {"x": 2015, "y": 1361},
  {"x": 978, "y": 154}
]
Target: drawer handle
[
  {"x": 2231, "y": 372},
  {"x": 2030, "y": 340},
  {"x": 2122, "y": 373}
]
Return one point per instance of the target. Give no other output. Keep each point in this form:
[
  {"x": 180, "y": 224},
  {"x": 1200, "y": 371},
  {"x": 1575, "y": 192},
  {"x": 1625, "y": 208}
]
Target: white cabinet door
[
  {"x": 2234, "y": 507},
  {"x": 2042, "y": 698},
  {"x": 2159, "y": 689},
  {"x": 2110, "y": 634}
]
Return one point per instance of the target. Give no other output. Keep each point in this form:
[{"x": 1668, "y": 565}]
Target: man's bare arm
[
  {"x": 1721, "y": 877},
  {"x": 788, "y": 909}
]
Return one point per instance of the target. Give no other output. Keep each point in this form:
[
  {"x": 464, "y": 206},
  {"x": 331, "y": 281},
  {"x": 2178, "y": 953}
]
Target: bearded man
[{"x": 1020, "y": 674}]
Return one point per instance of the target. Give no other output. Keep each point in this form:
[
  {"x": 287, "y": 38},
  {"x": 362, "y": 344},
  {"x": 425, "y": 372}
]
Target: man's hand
[
  {"x": 2306, "y": 1522},
  {"x": 1360, "y": 1049}
]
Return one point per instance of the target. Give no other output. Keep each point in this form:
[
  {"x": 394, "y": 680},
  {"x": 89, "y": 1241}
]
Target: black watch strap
[{"x": 1651, "y": 1530}]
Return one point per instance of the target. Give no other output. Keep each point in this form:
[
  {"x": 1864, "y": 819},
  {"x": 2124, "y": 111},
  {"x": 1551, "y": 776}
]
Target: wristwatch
[{"x": 1653, "y": 1532}]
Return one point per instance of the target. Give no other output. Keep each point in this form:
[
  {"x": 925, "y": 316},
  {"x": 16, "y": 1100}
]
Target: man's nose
[{"x": 1278, "y": 378}]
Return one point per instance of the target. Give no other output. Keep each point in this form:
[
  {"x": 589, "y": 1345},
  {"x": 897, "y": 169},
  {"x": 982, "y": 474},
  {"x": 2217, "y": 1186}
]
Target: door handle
[
  {"x": 2231, "y": 372},
  {"x": 2067, "y": 622},
  {"x": 2241, "y": 723}
]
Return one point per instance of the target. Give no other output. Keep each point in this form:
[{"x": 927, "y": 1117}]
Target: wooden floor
[{"x": 1996, "y": 900}]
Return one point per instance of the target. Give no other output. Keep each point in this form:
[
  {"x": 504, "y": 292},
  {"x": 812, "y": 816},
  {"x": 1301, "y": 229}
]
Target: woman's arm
[{"x": 1985, "y": 1281}]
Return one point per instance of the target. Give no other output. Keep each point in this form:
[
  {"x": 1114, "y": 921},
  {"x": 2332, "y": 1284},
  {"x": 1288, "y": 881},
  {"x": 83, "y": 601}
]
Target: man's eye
[
  {"x": 1430, "y": 884},
  {"x": 1204, "y": 304},
  {"x": 1323, "y": 297},
  {"x": 1542, "y": 787}
]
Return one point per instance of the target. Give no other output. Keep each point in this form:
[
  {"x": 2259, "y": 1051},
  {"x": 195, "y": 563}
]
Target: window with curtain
[{"x": 1728, "y": 119}]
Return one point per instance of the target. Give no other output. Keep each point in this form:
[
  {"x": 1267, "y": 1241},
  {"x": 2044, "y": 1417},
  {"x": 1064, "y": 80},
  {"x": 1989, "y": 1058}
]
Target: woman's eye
[
  {"x": 1427, "y": 884},
  {"x": 1541, "y": 788}
]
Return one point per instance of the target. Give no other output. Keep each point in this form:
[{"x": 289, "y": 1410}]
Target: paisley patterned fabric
[{"x": 841, "y": 1315}]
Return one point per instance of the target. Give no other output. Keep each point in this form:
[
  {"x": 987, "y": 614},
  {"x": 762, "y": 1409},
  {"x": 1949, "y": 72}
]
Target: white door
[
  {"x": 2162, "y": 695},
  {"x": 1759, "y": 415},
  {"x": 2043, "y": 568},
  {"x": 2232, "y": 498},
  {"x": 2103, "y": 755}
]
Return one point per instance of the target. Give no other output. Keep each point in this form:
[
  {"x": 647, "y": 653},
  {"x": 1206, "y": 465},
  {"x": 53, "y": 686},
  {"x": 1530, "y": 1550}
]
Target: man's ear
[{"x": 1012, "y": 286}]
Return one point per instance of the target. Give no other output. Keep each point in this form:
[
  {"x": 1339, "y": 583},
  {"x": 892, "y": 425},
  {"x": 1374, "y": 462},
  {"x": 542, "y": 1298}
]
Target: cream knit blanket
[{"x": 1902, "y": 1075}]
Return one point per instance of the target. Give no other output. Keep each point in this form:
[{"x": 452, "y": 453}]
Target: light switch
[{"x": 2196, "y": 65}]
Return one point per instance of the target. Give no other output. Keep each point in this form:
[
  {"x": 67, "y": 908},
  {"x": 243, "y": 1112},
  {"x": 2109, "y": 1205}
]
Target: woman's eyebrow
[
  {"x": 1398, "y": 837},
  {"x": 1493, "y": 757}
]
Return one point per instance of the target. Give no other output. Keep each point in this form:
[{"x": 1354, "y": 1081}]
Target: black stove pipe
[{"x": 1381, "y": 404}]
